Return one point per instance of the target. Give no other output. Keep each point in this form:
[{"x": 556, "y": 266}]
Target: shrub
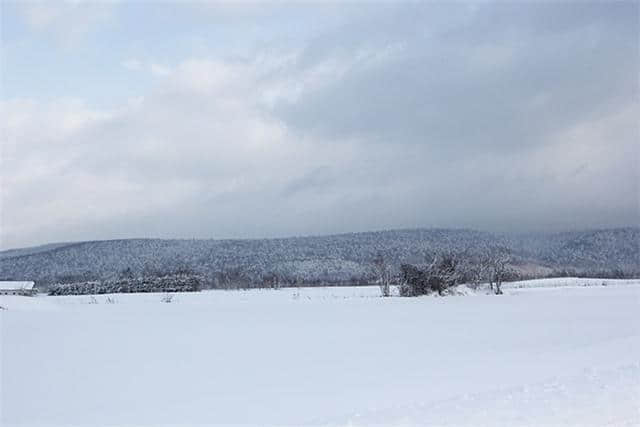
[
  {"x": 169, "y": 283},
  {"x": 438, "y": 275}
]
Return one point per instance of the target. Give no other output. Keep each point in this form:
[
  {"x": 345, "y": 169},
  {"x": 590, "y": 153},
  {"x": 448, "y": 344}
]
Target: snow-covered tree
[
  {"x": 498, "y": 268},
  {"x": 383, "y": 274}
]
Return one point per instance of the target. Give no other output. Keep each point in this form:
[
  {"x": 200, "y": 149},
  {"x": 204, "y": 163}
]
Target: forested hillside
[{"x": 344, "y": 258}]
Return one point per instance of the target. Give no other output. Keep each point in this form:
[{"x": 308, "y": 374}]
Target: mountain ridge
[{"x": 329, "y": 258}]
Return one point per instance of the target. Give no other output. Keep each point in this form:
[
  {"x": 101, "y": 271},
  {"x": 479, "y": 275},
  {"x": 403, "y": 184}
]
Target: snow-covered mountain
[{"x": 335, "y": 258}]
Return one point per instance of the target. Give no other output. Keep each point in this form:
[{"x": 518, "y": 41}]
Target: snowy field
[{"x": 547, "y": 353}]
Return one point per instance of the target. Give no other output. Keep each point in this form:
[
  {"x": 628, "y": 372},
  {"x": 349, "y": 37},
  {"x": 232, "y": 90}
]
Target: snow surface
[
  {"x": 558, "y": 282},
  {"x": 540, "y": 355}
]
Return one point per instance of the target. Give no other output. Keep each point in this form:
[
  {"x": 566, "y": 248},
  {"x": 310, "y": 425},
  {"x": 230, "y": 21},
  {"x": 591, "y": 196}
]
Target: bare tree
[
  {"x": 446, "y": 271},
  {"x": 484, "y": 269},
  {"x": 476, "y": 270},
  {"x": 498, "y": 268},
  {"x": 383, "y": 273}
]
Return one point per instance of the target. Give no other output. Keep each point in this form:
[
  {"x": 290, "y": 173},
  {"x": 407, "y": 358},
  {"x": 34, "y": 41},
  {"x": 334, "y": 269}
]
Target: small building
[{"x": 17, "y": 288}]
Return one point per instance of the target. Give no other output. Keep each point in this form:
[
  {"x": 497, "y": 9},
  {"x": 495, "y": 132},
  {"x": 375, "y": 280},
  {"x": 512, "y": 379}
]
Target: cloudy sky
[{"x": 161, "y": 119}]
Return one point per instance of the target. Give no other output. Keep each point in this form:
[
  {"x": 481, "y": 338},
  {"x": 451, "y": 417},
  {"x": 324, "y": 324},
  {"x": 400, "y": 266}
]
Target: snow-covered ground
[
  {"x": 543, "y": 354},
  {"x": 560, "y": 282}
]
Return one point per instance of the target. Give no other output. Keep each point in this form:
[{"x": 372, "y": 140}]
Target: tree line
[
  {"x": 440, "y": 272},
  {"x": 171, "y": 283}
]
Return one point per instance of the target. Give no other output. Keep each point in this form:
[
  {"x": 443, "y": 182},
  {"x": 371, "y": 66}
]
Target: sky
[{"x": 249, "y": 120}]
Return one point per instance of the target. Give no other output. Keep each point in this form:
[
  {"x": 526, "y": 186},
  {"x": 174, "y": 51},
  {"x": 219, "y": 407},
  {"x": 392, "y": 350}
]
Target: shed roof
[{"x": 15, "y": 285}]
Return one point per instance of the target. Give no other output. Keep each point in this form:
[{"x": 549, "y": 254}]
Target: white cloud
[
  {"x": 200, "y": 141},
  {"x": 204, "y": 154},
  {"x": 346, "y": 133}
]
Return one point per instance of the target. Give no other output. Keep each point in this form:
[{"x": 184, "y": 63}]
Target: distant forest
[{"x": 345, "y": 259}]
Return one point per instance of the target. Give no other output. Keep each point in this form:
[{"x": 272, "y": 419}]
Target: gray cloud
[
  {"x": 504, "y": 78},
  {"x": 492, "y": 116}
]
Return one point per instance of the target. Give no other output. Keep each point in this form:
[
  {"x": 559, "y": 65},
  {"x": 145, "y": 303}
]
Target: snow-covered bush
[
  {"x": 442, "y": 272},
  {"x": 171, "y": 283},
  {"x": 413, "y": 281}
]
